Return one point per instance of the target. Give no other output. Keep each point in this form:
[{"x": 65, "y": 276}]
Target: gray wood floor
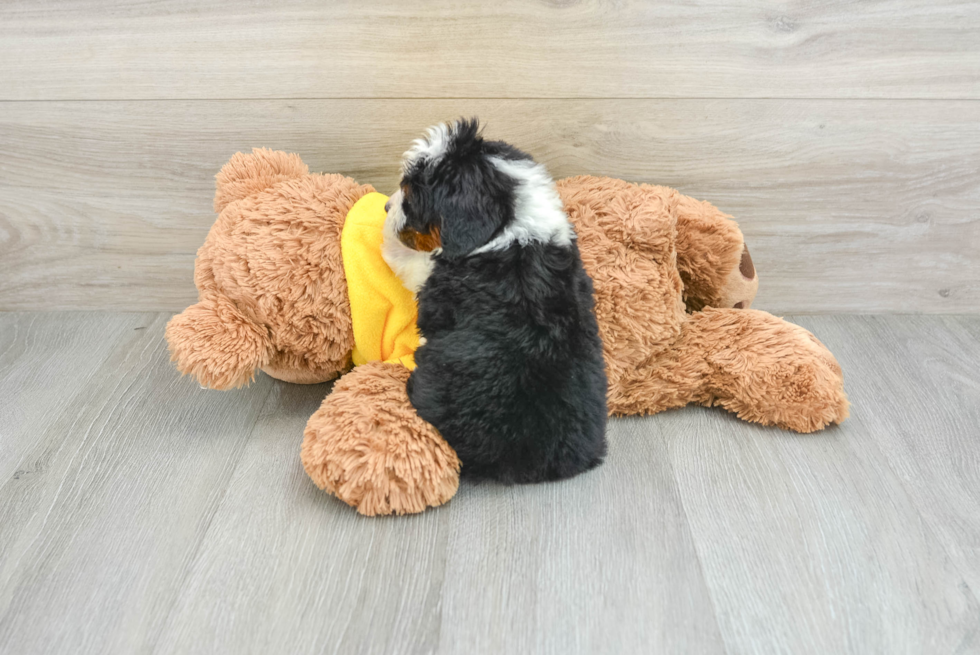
[{"x": 139, "y": 513}]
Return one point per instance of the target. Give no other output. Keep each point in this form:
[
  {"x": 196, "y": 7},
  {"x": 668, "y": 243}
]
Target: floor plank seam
[
  {"x": 193, "y": 559},
  {"x": 105, "y": 409},
  {"x": 694, "y": 542},
  {"x": 914, "y": 501},
  {"x": 740, "y": 538},
  {"x": 911, "y": 499}
]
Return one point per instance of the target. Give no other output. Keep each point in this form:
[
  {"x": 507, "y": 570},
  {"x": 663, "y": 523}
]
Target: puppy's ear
[
  {"x": 483, "y": 203},
  {"x": 466, "y": 228}
]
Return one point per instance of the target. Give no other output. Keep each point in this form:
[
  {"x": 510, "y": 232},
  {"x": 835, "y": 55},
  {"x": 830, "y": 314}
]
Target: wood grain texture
[
  {"x": 498, "y": 570},
  {"x": 920, "y": 375},
  {"x": 618, "y": 574},
  {"x": 285, "y": 568},
  {"x": 848, "y": 206},
  {"x": 118, "y": 492},
  {"x": 152, "y": 516},
  {"x": 301, "y": 48},
  {"x": 35, "y": 351},
  {"x": 810, "y": 544}
]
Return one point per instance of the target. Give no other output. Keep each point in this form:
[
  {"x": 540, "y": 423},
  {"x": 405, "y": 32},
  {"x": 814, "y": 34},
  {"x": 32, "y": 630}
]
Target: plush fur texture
[
  {"x": 384, "y": 460},
  {"x": 270, "y": 272},
  {"x": 271, "y": 269},
  {"x": 713, "y": 261},
  {"x": 511, "y": 372}
]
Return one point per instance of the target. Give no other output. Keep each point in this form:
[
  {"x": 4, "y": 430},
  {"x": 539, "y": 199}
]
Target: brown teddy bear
[{"x": 673, "y": 285}]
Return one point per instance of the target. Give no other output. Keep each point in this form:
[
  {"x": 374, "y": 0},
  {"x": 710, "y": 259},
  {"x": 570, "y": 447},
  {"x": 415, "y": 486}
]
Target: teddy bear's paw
[
  {"x": 367, "y": 446},
  {"x": 770, "y": 371},
  {"x": 214, "y": 342},
  {"x": 246, "y": 174}
]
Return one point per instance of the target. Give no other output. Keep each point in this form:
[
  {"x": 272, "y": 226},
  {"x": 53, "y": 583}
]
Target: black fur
[
  {"x": 462, "y": 193},
  {"x": 511, "y": 373}
]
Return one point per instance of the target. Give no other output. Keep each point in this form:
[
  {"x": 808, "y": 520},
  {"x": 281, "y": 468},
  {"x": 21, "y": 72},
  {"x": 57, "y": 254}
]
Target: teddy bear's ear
[{"x": 246, "y": 174}]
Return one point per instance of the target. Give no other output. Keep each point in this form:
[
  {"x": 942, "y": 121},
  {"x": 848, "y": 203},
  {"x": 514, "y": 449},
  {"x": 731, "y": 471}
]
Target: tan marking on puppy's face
[
  {"x": 411, "y": 238},
  {"x": 425, "y": 242},
  {"x": 398, "y": 247}
]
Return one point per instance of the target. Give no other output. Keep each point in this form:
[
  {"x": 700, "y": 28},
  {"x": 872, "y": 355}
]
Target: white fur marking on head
[
  {"x": 432, "y": 146},
  {"x": 538, "y": 212},
  {"x": 412, "y": 267}
]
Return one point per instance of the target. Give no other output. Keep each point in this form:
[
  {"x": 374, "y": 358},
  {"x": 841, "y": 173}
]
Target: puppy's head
[{"x": 461, "y": 193}]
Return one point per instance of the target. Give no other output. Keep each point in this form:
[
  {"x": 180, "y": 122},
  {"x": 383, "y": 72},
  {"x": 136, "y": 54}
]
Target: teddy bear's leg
[
  {"x": 245, "y": 174},
  {"x": 712, "y": 258},
  {"x": 213, "y": 341},
  {"x": 758, "y": 366},
  {"x": 765, "y": 369},
  {"x": 367, "y": 446}
]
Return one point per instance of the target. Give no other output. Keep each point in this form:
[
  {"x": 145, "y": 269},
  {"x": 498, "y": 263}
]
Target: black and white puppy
[{"x": 511, "y": 369}]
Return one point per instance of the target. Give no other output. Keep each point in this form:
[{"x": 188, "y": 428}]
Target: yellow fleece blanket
[{"x": 383, "y": 311}]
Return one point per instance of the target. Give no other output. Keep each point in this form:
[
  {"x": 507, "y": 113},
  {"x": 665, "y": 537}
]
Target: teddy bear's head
[{"x": 270, "y": 278}]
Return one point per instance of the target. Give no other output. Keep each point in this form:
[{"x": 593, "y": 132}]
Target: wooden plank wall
[{"x": 845, "y": 137}]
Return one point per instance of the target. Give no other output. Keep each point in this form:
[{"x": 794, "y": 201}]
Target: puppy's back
[{"x": 512, "y": 372}]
